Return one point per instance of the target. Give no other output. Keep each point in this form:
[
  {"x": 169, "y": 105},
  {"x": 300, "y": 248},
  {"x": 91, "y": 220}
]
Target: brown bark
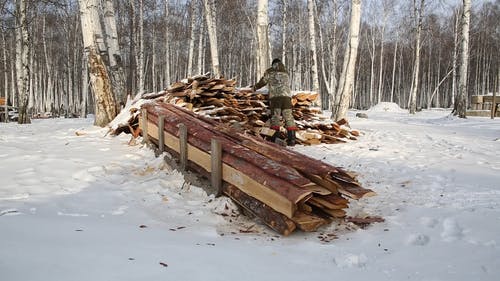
[{"x": 276, "y": 221}]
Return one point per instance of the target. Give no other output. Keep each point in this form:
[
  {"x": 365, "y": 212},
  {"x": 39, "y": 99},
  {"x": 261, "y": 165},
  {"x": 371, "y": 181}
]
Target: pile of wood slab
[
  {"x": 284, "y": 189},
  {"x": 220, "y": 100}
]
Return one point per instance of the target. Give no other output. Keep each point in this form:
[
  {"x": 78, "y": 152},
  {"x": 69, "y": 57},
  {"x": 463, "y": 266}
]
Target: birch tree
[
  {"x": 284, "y": 27},
  {"x": 314, "y": 58},
  {"x": 193, "y": 9},
  {"x": 418, "y": 14},
  {"x": 105, "y": 106},
  {"x": 5, "y": 76},
  {"x": 23, "y": 71},
  {"x": 262, "y": 37},
  {"x": 212, "y": 35},
  {"x": 167, "y": 80},
  {"x": 114, "y": 54},
  {"x": 346, "y": 83},
  {"x": 140, "y": 53},
  {"x": 461, "y": 101}
]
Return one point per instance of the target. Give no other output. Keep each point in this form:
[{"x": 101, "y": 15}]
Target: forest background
[{"x": 165, "y": 41}]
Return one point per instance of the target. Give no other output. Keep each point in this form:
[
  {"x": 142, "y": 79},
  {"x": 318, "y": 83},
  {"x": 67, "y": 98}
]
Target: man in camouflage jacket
[{"x": 280, "y": 101}]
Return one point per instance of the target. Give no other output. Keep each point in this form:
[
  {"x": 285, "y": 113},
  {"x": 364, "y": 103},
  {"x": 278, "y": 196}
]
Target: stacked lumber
[
  {"x": 220, "y": 100},
  {"x": 283, "y": 188}
]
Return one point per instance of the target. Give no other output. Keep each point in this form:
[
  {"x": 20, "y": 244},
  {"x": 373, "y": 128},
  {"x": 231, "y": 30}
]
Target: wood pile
[
  {"x": 283, "y": 188},
  {"x": 220, "y": 100}
]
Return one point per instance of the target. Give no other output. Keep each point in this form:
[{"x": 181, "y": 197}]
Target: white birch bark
[
  {"x": 394, "y": 67},
  {"x": 6, "y": 76},
  {"x": 167, "y": 46},
  {"x": 140, "y": 53},
  {"x": 314, "y": 58},
  {"x": 330, "y": 76},
  {"x": 381, "y": 57},
  {"x": 284, "y": 27},
  {"x": 48, "y": 102},
  {"x": 210, "y": 16},
  {"x": 418, "y": 12},
  {"x": 115, "y": 58},
  {"x": 461, "y": 106},
  {"x": 346, "y": 83},
  {"x": 85, "y": 88},
  {"x": 201, "y": 46},
  {"x": 24, "y": 70},
  {"x": 455, "y": 59},
  {"x": 105, "y": 106},
  {"x": 262, "y": 37},
  {"x": 192, "y": 38}
]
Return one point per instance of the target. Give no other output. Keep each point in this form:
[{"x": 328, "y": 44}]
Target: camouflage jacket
[{"x": 277, "y": 81}]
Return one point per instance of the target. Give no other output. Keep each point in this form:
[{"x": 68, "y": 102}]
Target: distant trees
[{"x": 183, "y": 38}]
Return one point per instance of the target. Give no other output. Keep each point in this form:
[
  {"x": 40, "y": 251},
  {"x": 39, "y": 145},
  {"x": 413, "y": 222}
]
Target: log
[{"x": 276, "y": 221}]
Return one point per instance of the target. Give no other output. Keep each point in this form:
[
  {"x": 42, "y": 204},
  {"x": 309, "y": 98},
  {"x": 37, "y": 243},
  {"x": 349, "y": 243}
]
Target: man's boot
[
  {"x": 276, "y": 133},
  {"x": 291, "y": 137}
]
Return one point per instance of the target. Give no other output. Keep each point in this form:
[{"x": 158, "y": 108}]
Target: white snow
[{"x": 91, "y": 207}]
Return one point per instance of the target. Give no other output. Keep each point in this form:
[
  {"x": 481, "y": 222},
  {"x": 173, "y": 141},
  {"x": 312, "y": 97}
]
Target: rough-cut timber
[
  {"x": 276, "y": 221},
  {"x": 219, "y": 100},
  {"x": 283, "y": 188}
]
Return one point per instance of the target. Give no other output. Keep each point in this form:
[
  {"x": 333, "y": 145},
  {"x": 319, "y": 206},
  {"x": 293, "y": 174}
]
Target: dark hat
[{"x": 276, "y": 61}]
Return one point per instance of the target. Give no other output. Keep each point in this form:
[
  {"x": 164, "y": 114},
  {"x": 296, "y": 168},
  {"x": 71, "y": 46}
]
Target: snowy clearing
[{"x": 90, "y": 207}]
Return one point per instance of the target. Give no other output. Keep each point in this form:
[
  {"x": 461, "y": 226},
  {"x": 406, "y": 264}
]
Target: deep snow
[{"x": 78, "y": 205}]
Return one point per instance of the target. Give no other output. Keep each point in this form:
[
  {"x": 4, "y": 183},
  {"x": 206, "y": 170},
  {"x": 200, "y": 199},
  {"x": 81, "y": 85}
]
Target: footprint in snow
[
  {"x": 351, "y": 261},
  {"x": 429, "y": 222},
  {"x": 452, "y": 231},
  {"x": 418, "y": 239}
]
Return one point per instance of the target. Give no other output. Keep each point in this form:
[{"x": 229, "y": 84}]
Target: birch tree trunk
[
  {"x": 394, "y": 67},
  {"x": 418, "y": 12},
  {"x": 330, "y": 77},
  {"x": 212, "y": 35},
  {"x": 167, "y": 79},
  {"x": 381, "y": 58},
  {"x": 6, "y": 76},
  {"x": 192, "y": 38},
  {"x": 346, "y": 83},
  {"x": 262, "y": 37},
  {"x": 105, "y": 106},
  {"x": 461, "y": 106},
  {"x": 201, "y": 46},
  {"x": 24, "y": 71},
  {"x": 314, "y": 59},
  {"x": 140, "y": 53},
  {"x": 115, "y": 58},
  {"x": 283, "y": 30}
]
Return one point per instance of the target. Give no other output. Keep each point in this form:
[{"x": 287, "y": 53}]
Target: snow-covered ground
[{"x": 78, "y": 205}]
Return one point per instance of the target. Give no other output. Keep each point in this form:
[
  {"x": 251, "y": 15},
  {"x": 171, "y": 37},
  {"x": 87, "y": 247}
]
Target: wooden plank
[
  {"x": 329, "y": 185},
  {"x": 317, "y": 189},
  {"x": 183, "y": 147},
  {"x": 216, "y": 166},
  {"x": 276, "y": 221},
  {"x": 144, "y": 126},
  {"x": 335, "y": 213},
  {"x": 248, "y": 185},
  {"x": 326, "y": 204},
  {"x": 355, "y": 192},
  {"x": 308, "y": 222},
  {"x": 161, "y": 141}
]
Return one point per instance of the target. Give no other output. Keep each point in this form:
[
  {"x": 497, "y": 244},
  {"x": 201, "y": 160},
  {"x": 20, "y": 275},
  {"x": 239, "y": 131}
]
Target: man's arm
[{"x": 262, "y": 82}]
